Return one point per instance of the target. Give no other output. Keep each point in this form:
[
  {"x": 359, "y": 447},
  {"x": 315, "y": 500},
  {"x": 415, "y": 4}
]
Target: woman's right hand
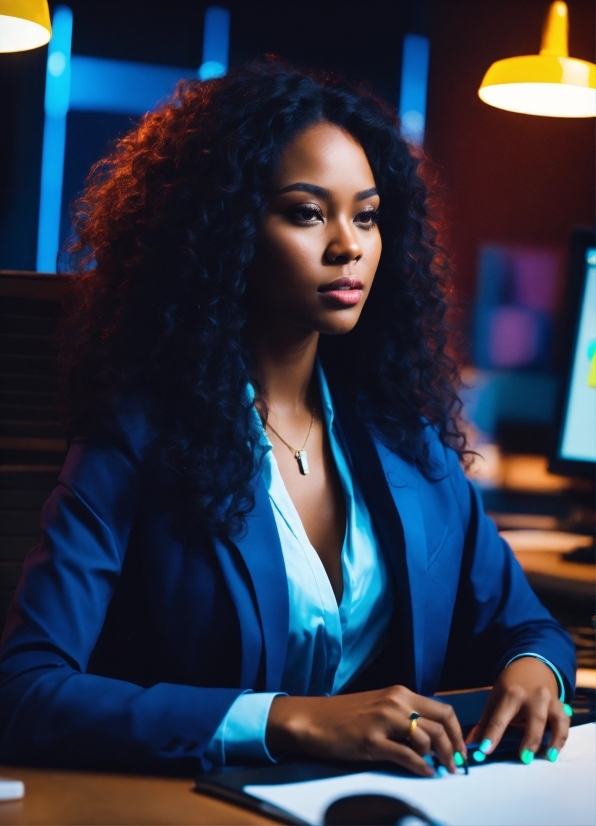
[{"x": 371, "y": 725}]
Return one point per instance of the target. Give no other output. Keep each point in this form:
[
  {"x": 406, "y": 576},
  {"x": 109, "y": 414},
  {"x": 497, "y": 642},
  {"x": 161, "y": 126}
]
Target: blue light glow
[
  {"x": 58, "y": 66},
  {"x": 54, "y": 139},
  {"x": 95, "y": 84},
  {"x": 414, "y": 79},
  {"x": 100, "y": 85},
  {"x": 211, "y": 69},
  {"x": 216, "y": 42}
]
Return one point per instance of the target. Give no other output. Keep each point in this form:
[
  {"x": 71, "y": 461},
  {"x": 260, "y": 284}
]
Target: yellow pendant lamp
[
  {"x": 550, "y": 83},
  {"x": 24, "y": 24}
]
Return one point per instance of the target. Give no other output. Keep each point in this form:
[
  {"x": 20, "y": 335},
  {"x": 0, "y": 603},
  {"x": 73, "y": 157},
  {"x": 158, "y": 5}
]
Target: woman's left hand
[{"x": 524, "y": 695}]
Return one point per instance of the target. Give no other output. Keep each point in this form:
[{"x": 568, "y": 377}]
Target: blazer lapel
[
  {"x": 386, "y": 482},
  {"x": 407, "y": 504},
  {"x": 266, "y": 619},
  {"x": 242, "y": 593}
]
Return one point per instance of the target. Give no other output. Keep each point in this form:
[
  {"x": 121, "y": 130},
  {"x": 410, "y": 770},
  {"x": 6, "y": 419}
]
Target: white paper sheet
[
  {"x": 541, "y": 794},
  {"x": 11, "y": 789}
]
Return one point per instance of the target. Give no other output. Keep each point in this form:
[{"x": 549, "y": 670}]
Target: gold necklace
[{"x": 299, "y": 454}]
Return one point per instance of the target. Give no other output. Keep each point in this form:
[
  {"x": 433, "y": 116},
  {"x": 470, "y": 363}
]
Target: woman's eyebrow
[
  {"x": 321, "y": 192},
  {"x": 366, "y": 193}
]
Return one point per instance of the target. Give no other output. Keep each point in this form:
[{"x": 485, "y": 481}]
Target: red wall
[{"x": 507, "y": 178}]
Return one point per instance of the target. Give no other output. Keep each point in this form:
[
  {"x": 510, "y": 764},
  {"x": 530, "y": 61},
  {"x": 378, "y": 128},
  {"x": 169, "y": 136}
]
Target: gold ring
[{"x": 413, "y": 723}]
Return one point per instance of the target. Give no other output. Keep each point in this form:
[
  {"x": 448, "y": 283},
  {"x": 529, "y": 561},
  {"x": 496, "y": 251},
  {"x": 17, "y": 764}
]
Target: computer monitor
[{"x": 575, "y": 449}]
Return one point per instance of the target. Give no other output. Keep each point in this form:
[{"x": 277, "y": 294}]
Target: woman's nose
[{"x": 343, "y": 246}]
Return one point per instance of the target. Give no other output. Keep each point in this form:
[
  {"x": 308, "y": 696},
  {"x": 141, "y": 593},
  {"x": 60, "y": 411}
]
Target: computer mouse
[{"x": 374, "y": 810}]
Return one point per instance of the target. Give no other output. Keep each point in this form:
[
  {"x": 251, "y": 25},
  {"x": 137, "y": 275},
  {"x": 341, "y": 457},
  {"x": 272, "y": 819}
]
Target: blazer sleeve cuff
[
  {"x": 240, "y": 736},
  {"x": 554, "y": 669}
]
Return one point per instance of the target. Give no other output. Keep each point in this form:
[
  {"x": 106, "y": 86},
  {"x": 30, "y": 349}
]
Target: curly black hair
[{"x": 166, "y": 230}]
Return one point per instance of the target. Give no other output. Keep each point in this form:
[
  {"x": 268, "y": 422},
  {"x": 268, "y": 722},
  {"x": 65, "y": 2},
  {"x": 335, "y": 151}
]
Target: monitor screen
[{"x": 576, "y": 451}]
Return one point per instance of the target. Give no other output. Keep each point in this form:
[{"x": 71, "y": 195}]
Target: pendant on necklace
[{"x": 300, "y": 457}]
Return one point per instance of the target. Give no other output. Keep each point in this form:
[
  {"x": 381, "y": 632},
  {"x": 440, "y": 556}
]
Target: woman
[{"x": 262, "y": 541}]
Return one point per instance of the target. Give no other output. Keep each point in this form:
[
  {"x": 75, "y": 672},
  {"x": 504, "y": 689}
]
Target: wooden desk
[{"x": 65, "y": 797}]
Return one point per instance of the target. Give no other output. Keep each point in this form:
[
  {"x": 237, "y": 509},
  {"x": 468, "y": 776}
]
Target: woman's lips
[
  {"x": 344, "y": 298},
  {"x": 344, "y": 291}
]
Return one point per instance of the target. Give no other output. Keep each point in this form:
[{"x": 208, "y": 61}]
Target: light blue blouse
[{"x": 328, "y": 645}]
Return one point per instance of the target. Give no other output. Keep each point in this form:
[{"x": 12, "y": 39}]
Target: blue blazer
[{"x": 129, "y": 637}]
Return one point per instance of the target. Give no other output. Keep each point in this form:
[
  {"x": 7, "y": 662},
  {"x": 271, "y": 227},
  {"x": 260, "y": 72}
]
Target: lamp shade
[
  {"x": 24, "y": 24},
  {"x": 550, "y": 83}
]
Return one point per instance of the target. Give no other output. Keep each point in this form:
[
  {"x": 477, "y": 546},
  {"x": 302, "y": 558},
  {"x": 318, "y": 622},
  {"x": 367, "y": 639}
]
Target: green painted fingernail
[
  {"x": 458, "y": 759},
  {"x": 526, "y": 756},
  {"x": 479, "y": 756},
  {"x": 485, "y": 745},
  {"x": 567, "y": 709},
  {"x": 552, "y": 755}
]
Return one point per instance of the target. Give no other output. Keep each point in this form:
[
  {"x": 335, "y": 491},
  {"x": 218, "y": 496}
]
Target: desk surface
[{"x": 80, "y": 797}]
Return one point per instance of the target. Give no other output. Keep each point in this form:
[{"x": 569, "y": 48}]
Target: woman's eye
[
  {"x": 306, "y": 214},
  {"x": 368, "y": 218}
]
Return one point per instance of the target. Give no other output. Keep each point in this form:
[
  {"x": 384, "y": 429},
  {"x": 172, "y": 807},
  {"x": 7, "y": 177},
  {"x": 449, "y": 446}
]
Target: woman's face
[{"x": 319, "y": 244}]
